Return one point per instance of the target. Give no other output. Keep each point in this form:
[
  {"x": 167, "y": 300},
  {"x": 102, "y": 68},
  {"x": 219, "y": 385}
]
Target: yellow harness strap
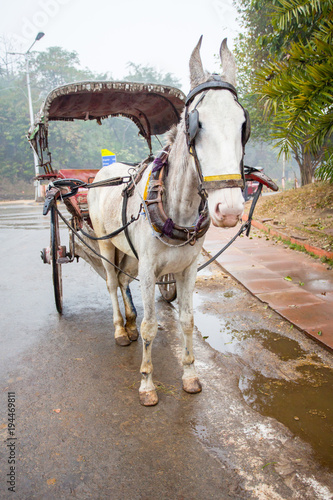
[
  {"x": 145, "y": 193},
  {"x": 222, "y": 177}
]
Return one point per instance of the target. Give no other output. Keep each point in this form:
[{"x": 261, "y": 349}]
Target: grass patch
[
  {"x": 307, "y": 211},
  {"x": 301, "y": 248},
  {"x": 326, "y": 260}
]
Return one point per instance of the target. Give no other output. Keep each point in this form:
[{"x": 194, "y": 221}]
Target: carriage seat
[{"x": 85, "y": 175}]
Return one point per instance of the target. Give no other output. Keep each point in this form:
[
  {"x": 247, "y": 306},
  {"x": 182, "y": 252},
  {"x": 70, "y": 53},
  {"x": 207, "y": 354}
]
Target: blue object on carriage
[{"x": 107, "y": 157}]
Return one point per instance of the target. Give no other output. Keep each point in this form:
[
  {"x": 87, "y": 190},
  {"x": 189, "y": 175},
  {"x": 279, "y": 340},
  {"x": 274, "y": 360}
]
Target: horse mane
[
  {"x": 171, "y": 135},
  {"x": 175, "y": 140}
]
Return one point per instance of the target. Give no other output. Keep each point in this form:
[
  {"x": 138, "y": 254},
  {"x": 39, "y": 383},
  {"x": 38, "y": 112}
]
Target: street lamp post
[{"x": 31, "y": 112}]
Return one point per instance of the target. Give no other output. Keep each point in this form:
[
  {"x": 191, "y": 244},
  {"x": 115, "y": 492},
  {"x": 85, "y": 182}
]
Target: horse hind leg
[
  {"x": 121, "y": 336},
  {"x": 130, "y": 311}
]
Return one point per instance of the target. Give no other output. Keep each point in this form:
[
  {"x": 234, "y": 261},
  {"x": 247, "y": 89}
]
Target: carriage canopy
[{"x": 153, "y": 108}]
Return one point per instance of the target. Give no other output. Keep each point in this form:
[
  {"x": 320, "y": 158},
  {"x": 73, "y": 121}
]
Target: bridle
[{"x": 192, "y": 126}]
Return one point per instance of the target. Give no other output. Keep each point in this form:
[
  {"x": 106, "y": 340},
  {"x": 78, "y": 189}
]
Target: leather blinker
[
  {"x": 193, "y": 126},
  {"x": 246, "y": 132}
]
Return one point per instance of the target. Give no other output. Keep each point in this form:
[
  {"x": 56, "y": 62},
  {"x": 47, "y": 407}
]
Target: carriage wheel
[
  {"x": 55, "y": 250},
  {"x": 168, "y": 290}
]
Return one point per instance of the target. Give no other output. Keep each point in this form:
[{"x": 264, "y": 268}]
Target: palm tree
[{"x": 297, "y": 89}]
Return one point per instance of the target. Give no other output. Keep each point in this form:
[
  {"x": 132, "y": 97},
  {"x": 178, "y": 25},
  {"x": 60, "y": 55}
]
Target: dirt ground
[
  {"x": 305, "y": 213},
  {"x": 259, "y": 430}
]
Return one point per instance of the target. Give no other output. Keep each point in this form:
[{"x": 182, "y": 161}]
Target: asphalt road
[{"x": 80, "y": 431}]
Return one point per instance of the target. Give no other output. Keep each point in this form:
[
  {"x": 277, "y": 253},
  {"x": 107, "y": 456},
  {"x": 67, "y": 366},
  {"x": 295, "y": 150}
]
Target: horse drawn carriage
[
  {"x": 149, "y": 219},
  {"x": 153, "y": 108}
]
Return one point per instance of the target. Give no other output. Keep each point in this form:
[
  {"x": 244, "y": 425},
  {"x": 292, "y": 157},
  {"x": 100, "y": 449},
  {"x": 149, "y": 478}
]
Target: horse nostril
[
  {"x": 223, "y": 213},
  {"x": 219, "y": 211}
]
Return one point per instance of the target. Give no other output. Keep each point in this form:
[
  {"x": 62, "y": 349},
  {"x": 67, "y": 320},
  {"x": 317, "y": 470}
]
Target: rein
[
  {"x": 245, "y": 227},
  {"x": 54, "y": 193}
]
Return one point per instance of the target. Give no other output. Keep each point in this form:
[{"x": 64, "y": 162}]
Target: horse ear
[
  {"x": 197, "y": 74},
  {"x": 228, "y": 64}
]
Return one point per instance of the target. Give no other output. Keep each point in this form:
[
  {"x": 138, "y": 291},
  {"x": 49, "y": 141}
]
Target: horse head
[{"x": 217, "y": 129}]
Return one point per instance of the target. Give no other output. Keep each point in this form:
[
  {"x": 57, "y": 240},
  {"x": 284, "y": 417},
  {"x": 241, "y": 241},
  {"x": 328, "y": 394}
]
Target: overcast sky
[{"x": 107, "y": 34}]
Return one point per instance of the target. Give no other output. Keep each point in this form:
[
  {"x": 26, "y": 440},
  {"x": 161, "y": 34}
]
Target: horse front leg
[
  {"x": 185, "y": 287},
  {"x": 147, "y": 391}
]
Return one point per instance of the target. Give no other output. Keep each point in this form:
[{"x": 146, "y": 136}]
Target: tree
[
  {"x": 285, "y": 38},
  {"x": 148, "y": 74},
  {"x": 56, "y": 66},
  {"x": 251, "y": 53},
  {"x": 296, "y": 86},
  {"x": 14, "y": 119}
]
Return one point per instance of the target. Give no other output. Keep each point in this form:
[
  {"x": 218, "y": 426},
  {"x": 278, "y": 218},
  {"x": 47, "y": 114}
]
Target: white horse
[{"x": 217, "y": 151}]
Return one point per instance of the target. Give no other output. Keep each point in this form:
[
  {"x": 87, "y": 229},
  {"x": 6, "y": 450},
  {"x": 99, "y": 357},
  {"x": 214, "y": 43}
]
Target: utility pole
[
  {"x": 283, "y": 171},
  {"x": 31, "y": 112}
]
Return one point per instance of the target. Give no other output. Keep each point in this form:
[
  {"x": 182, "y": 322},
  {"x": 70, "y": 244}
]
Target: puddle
[
  {"x": 199, "y": 430},
  {"x": 285, "y": 348},
  {"x": 319, "y": 286},
  {"x": 304, "y": 406},
  {"x": 225, "y": 332},
  {"x": 216, "y": 329}
]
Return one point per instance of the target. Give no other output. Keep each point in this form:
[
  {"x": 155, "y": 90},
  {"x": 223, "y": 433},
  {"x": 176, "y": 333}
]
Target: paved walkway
[{"x": 262, "y": 266}]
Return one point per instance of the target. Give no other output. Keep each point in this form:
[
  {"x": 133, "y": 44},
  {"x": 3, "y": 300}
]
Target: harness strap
[
  {"x": 111, "y": 235},
  {"x": 227, "y": 181},
  {"x": 160, "y": 221},
  {"x": 213, "y": 84},
  {"x": 125, "y": 224}
]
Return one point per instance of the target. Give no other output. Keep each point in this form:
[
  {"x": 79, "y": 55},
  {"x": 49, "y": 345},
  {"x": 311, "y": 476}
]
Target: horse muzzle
[
  {"x": 225, "y": 220},
  {"x": 227, "y": 209}
]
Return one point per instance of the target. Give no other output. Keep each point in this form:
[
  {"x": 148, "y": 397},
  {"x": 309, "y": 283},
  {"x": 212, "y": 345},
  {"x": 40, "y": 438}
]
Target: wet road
[{"x": 261, "y": 428}]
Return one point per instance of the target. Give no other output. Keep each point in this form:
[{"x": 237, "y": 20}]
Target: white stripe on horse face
[
  {"x": 219, "y": 140},
  {"x": 219, "y": 149}
]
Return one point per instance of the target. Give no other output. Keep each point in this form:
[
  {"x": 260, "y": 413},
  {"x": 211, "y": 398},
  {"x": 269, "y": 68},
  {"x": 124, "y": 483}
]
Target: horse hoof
[
  {"x": 148, "y": 398},
  {"x": 192, "y": 385},
  {"x": 132, "y": 334},
  {"x": 123, "y": 340}
]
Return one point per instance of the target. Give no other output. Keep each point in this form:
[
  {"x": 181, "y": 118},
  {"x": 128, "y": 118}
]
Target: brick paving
[{"x": 262, "y": 265}]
